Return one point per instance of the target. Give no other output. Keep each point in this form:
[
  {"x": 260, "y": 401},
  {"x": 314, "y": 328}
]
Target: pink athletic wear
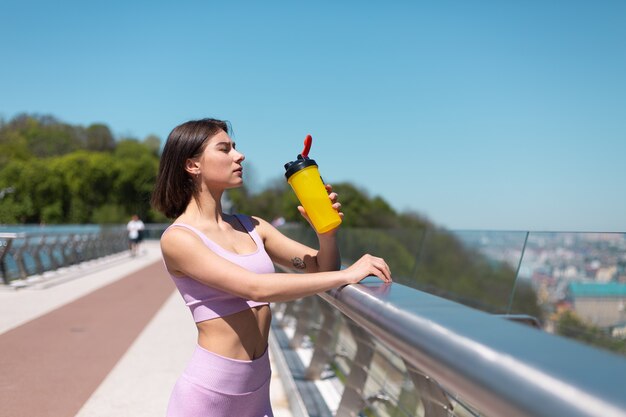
[
  {"x": 208, "y": 303},
  {"x": 216, "y": 386},
  {"x": 213, "y": 385}
]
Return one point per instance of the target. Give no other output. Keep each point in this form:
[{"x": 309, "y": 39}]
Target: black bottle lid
[{"x": 297, "y": 165}]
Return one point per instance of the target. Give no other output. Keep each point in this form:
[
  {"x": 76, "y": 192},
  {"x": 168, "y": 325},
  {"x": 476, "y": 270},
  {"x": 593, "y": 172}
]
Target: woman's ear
[{"x": 192, "y": 166}]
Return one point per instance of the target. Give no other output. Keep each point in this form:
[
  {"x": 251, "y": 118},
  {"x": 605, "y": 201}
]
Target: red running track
[{"x": 50, "y": 366}]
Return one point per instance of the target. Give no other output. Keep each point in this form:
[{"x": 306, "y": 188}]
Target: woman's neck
[{"x": 206, "y": 208}]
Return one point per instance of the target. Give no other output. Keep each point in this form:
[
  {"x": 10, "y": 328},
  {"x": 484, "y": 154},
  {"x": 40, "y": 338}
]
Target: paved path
[{"x": 105, "y": 343}]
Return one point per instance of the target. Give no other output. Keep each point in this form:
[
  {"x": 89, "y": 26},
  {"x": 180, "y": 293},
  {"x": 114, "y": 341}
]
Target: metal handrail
[
  {"x": 11, "y": 235},
  {"x": 502, "y": 368}
]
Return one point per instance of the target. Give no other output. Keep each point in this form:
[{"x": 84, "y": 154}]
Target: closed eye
[{"x": 226, "y": 146}]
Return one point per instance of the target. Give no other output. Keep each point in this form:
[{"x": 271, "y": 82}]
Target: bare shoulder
[{"x": 178, "y": 240}]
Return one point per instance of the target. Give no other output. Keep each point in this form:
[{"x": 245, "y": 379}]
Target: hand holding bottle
[
  {"x": 335, "y": 205},
  {"x": 304, "y": 177}
]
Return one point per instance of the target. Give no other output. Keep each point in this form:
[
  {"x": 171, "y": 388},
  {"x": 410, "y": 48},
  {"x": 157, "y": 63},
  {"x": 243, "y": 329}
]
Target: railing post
[
  {"x": 52, "y": 248},
  {"x": 86, "y": 248},
  {"x": 92, "y": 243},
  {"x": 4, "y": 250},
  {"x": 435, "y": 401},
  {"x": 288, "y": 311},
  {"x": 36, "y": 255},
  {"x": 105, "y": 243},
  {"x": 353, "y": 399},
  {"x": 72, "y": 243},
  {"x": 19, "y": 259},
  {"x": 408, "y": 400},
  {"x": 303, "y": 317},
  {"x": 324, "y": 343},
  {"x": 59, "y": 248}
]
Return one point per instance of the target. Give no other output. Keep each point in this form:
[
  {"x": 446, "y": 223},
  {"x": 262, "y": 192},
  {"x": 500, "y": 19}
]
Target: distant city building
[
  {"x": 600, "y": 304},
  {"x": 606, "y": 274}
]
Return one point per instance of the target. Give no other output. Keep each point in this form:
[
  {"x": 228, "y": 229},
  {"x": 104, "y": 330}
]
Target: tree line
[{"x": 54, "y": 172}]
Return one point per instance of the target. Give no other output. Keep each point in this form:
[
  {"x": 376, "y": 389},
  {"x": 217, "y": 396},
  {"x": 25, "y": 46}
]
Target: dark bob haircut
[{"x": 174, "y": 185}]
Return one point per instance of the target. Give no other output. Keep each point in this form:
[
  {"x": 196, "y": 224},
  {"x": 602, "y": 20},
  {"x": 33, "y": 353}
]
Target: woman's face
[{"x": 220, "y": 163}]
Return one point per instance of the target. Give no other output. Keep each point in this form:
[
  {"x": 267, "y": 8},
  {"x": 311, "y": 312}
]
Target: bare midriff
[{"x": 241, "y": 336}]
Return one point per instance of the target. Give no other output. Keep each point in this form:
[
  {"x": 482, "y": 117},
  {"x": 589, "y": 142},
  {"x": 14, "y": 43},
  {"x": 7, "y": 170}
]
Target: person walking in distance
[
  {"x": 223, "y": 266},
  {"x": 135, "y": 229}
]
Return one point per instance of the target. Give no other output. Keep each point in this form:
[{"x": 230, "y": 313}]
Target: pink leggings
[{"x": 216, "y": 386}]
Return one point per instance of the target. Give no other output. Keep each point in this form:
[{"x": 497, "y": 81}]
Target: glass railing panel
[
  {"x": 304, "y": 235},
  {"x": 399, "y": 247},
  {"x": 579, "y": 282},
  {"x": 475, "y": 268}
]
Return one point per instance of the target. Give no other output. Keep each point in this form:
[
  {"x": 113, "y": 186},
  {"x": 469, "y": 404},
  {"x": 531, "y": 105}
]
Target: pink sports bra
[{"x": 206, "y": 302}]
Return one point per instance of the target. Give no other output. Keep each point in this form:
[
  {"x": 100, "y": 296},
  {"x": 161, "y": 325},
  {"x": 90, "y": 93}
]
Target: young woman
[{"x": 223, "y": 266}]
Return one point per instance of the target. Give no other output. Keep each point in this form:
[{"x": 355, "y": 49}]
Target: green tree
[
  {"x": 134, "y": 182},
  {"x": 109, "y": 213},
  {"x": 45, "y": 135},
  {"x": 88, "y": 178},
  {"x": 54, "y": 172},
  {"x": 36, "y": 192},
  {"x": 568, "y": 324},
  {"x": 47, "y": 191},
  {"x": 99, "y": 138},
  {"x": 130, "y": 148},
  {"x": 153, "y": 143},
  {"x": 13, "y": 146},
  {"x": 16, "y": 205}
]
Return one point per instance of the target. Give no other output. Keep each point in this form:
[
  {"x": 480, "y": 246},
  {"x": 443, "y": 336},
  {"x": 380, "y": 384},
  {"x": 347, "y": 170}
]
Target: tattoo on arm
[{"x": 298, "y": 263}]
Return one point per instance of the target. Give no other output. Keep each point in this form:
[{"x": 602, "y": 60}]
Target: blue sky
[{"x": 477, "y": 114}]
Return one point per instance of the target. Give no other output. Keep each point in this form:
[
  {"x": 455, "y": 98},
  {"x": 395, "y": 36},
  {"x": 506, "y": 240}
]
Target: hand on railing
[{"x": 366, "y": 266}]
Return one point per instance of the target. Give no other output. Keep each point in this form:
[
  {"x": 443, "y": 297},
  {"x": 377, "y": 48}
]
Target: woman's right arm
[{"x": 186, "y": 255}]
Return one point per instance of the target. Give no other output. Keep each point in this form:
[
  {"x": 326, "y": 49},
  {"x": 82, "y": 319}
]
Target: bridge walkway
[{"x": 106, "y": 339}]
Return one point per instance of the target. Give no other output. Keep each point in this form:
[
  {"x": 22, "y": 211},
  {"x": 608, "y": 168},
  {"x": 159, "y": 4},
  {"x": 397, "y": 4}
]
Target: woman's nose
[{"x": 240, "y": 156}]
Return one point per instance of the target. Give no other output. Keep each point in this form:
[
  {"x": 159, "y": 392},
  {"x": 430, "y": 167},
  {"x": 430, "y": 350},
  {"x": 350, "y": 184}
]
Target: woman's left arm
[
  {"x": 292, "y": 254},
  {"x": 287, "y": 252}
]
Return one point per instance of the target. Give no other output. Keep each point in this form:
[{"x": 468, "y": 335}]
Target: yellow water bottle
[{"x": 305, "y": 180}]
